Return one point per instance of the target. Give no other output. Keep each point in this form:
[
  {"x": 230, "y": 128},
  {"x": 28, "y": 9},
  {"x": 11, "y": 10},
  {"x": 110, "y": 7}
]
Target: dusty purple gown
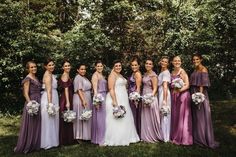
[
  {"x": 136, "y": 111},
  {"x": 99, "y": 116},
  {"x": 181, "y": 117},
  {"x": 30, "y": 130},
  {"x": 150, "y": 115},
  {"x": 203, "y": 134},
  {"x": 65, "y": 129}
]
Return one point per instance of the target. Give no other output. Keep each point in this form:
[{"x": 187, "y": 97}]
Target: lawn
[{"x": 224, "y": 117}]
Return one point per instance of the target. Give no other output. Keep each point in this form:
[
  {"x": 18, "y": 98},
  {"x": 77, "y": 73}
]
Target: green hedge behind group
[{"x": 87, "y": 30}]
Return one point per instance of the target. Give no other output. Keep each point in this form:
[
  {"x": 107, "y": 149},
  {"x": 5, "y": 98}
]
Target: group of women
[{"x": 184, "y": 125}]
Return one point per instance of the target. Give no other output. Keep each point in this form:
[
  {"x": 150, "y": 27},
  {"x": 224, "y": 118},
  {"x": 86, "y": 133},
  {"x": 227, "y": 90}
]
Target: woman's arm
[
  {"x": 26, "y": 90},
  {"x": 184, "y": 76},
  {"x": 48, "y": 86},
  {"x": 65, "y": 78},
  {"x": 154, "y": 85},
  {"x": 111, "y": 87},
  {"x": 165, "y": 91},
  {"x": 204, "y": 69},
  {"x": 95, "y": 83},
  {"x": 138, "y": 81}
]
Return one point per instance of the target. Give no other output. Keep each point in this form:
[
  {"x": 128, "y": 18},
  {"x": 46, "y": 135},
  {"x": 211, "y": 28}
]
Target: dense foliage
[{"x": 85, "y": 30}]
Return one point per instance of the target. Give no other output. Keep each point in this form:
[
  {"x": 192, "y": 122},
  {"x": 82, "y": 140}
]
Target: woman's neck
[
  {"x": 199, "y": 67},
  {"x": 149, "y": 71},
  {"x": 163, "y": 69}
]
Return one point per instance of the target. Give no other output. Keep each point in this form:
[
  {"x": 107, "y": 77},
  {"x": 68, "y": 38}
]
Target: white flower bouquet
[
  {"x": 69, "y": 115},
  {"x": 135, "y": 97},
  {"x": 148, "y": 99},
  {"x": 86, "y": 114},
  {"x": 98, "y": 99},
  {"x": 119, "y": 111},
  {"x": 165, "y": 110},
  {"x": 177, "y": 83},
  {"x": 52, "y": 109},
  {"x": 32, "y": 107},
  {"x": 198, "y": 98}
]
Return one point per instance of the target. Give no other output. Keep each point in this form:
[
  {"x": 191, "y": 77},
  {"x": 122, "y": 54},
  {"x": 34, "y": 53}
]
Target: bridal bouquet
[
  {"x": 165, "y": 110},
  {"x": 148, "y": 99},
  {"x": 198, "y": 98},
  {"x": 177, "y": 83},
  {"x": 86, "y": 114},
  {"x": 32, "y": 107},
  {"x": 52, "y": 109},
  {"x": 135, "y": 96},
  {"x": 69, "y": 115},
  {"x": 98, "y": 99},
  {"x": 119, "y": 111}
]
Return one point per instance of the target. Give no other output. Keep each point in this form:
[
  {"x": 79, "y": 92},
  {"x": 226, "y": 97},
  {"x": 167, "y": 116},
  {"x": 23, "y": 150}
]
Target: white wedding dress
[{"x": 121, "y": 131}]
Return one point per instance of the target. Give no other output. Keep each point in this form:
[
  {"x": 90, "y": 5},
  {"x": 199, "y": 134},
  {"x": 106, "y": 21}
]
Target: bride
[{"x": 119, "y": 131}]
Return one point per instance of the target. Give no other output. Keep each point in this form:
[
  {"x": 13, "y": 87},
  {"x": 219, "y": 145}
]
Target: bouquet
[
  {"x": 98, "y": 99},
  {"x": 32, "y": 107},
  {"x": 52, "y": 109},
  {"x": 165, "y": 110},
  {"x": 69, "y": 115},
  {"x": 148, "y": 99},
  {"x": 177, "y": 83},
  {"x": 135, "y": 96},
  {"x": 119, "y": 111},
  {"x": 198, "y": 98},
  {"x": 86, "y": 114}
]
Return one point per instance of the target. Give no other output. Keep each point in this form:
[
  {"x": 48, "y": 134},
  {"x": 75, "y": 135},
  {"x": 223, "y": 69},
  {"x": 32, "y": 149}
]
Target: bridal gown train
[{"x": 121, "y": 131}]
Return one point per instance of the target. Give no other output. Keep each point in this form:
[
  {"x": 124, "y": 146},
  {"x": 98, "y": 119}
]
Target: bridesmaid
[
  {"x": 50, "y": 124},
  {"x": 150, "y": 117},
  {"x": 164, "y": 97},
  {"x": 181, "y": 116},
  {"x": 135, "y": 82},
  {"x": 65, "y": 83},
  {"x": 203, "y": 134},
  {"x": 82, "y": 100},
  {"x": 29, "y": 136},
  {"x": 99, "y": 112}
]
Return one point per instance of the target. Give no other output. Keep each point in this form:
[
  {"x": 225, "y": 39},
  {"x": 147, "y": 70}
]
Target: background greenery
[{"x": 85, "y": 30}]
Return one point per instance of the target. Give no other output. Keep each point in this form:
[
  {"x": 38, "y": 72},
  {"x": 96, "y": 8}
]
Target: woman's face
[
  {"x": 135, "y": 66},
  {"x": 66, "y": 67},
  {"x": 176, "y": 62},
  {"x": 32, "y": 68},
  {"x": 50, "y": 66},
  {"x": 117, "y": 67},
  {"x": 148, "y": 65},
  {"x": 196, "y": 61},
  {"x": 82, "y": 70},
  {"x": 164, "y": 63},
  {"x": 99, "y": 67}
]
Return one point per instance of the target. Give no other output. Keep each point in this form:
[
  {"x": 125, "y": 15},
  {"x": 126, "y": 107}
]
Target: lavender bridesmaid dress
[
  {"x": 135, "y": 110},
  {"x": 203, "y": 134},
  {"x": 150, "y": 116},
  {"x": 99, "y": 116},
  {"x": 66, "y": 136},
  {"x": 30, "y": 130},
  {"x": 181, "y": 117},
  {"x": 82, "y": 129}
]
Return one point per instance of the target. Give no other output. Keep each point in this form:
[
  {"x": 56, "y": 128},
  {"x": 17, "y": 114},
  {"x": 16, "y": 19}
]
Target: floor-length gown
[
  {"x": 165, "y": 120},
  {"x": 136, "y": 108},
  {"x": 50, "y": 124},
  {"x": 82, "y": 128},
  {"x": 30, "y": 130},
  {"x": 99, "y": 115},
  {"x": 203, "y": 134},
  {"x": 121, "y": 131},
  {"x": 66, "y": 135},
  {"x": 150, "y": 115},
  {"x": 181, "y": 117}
]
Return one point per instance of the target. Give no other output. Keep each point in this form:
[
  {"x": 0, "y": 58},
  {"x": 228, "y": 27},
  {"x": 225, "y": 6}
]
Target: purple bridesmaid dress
[
  {"x": 181, "y": 117},
  {"x": 150, "y": 115},
  {"x": 66, "y": 135},
  {"x": 30, "y": 130},
  {"x": 99, "y": 116},
  {"x": 135, "y": 110},
  {"x": 203, "y": 134}
]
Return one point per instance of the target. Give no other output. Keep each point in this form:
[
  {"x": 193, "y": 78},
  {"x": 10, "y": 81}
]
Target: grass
[{"x": 223, "y": 113}]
